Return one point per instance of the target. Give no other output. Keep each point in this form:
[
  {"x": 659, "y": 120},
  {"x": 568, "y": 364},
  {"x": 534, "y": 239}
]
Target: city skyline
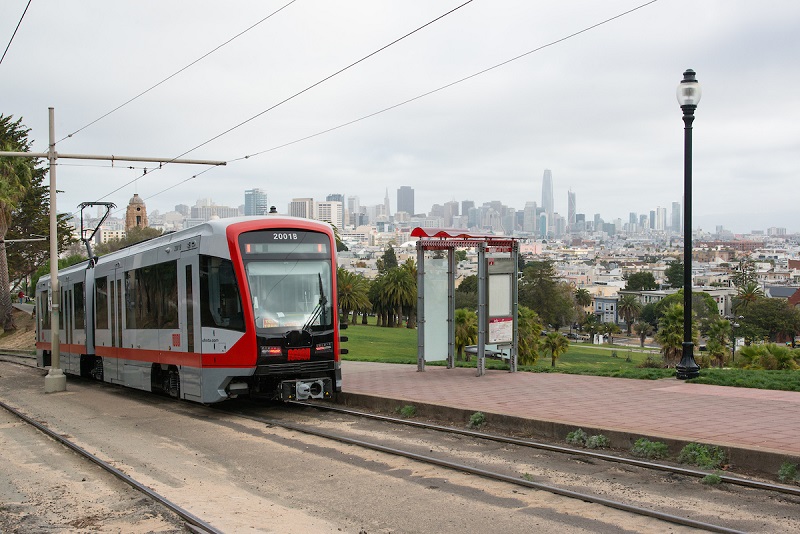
[{"x": 584, "y": 88}]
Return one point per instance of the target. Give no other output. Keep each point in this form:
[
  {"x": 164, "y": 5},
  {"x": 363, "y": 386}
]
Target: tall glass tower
[
  {"x": 255, "y": 202},
  {"x": 547, "y": 194},
  {"x": 405, "y": 199}
]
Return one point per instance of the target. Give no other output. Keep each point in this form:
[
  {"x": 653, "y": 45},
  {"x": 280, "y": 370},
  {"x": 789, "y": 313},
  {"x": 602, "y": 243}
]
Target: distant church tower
[{"x": 136, "y": 216}]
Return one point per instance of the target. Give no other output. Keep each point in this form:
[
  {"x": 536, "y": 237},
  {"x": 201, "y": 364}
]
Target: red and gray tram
[{"x": 241, "y": 306}]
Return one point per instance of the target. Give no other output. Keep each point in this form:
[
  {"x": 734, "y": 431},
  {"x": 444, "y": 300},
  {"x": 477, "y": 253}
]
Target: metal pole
[
  {"x": 687, "y": 368},
  {"x": 55, "y": 380}
]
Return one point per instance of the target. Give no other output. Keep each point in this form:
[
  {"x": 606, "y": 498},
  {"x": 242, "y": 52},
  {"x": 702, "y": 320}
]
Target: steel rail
[
  {"x": 197, "y": 524},
  {"x": 739, "y": 481},
  {"x": 488, "y": 474}
]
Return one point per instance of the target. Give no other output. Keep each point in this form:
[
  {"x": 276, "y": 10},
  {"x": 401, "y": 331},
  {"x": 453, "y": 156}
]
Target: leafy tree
[
  {"x": 674, "y": 274},
  {"x": 641, "y": 281},
  {"x": 629, "y": 308},
  {"x": 29, "y": 220},
  {"x": 16, "y": 177},
  {"x": 540, "y": 291},
  {"x": 466, "y": 295},
  {"x": 770, "y": 319},
  {"x": 461, "y": 255},
  {"x": 466, "y": 330},
  {"x": 529, "y": 329},
  {"x": 556, "y": 345},
  {"x": 643, "y": 329},
  {"x": 649, "y": 314},
  {"x": 388, "y": 261},
  {"x": 704, "y": 308}
]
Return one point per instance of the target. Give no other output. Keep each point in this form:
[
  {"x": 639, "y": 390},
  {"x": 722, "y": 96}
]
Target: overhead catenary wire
[
  {"x": 295, "y": 95},
  {"x": 176, "y": 72},
  {"x": 15, "y": 31},
  {"x": 408, "y": 101}
]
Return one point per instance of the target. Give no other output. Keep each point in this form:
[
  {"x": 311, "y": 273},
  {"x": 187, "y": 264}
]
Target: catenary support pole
[{"x": 55, "y": 380}]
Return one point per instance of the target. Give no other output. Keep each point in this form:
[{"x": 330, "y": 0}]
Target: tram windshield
[{"x": 290, "y": 294}]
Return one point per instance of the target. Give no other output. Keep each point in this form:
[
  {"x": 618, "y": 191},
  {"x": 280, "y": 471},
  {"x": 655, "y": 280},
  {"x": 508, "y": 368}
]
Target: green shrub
[
  {"x": 652, "y": 450},
  {"x": 477, "y": 420},
  {"x": 704, "y": 456},
  {"x": 597, "y": 442},
  {"x": 408, "y": 411},
  {"x": 614, "y": 354},
  {"x": 712, "y": 479},
  {"x": 651, "y": 363},
  {"x": 577, "y": 437},
  {"x": 788, "y": 472}
]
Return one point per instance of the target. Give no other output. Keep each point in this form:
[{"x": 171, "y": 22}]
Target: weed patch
[
  {"x": 704, "y": 456},
  {"x": 652, "y": 450}
]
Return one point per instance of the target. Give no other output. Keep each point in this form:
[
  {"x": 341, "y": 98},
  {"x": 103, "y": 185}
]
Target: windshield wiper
[{"x": 319, "y": 309}]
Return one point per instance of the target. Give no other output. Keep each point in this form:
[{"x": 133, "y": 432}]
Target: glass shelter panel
[{"x": 436, "y": 306}]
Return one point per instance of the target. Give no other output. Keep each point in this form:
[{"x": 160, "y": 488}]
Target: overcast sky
[{"x": 598, "y": 109}]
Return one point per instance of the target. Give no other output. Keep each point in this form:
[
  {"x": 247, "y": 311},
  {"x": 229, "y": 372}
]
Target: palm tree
[
  {"x": 670, "y": 334},
  {"x": 400, "y": 290},
  {"x": 529, "y": 329},
  {"x": 610, "y": 329},
  {"x": 16, "y": 176},
  {"x": 629, "y": 309},
  {"x": 556, "y": 345},
  {"x": 377, "y": 296},
  {"x": 411, "y": 267},
  {"x": 746, "y": 295},
  {"x": 352, "y": 292},
  {"x": 644, "y": 329},
  {"x": 582, "y": 297},
  {"x": 466, "y": 329},
  {"x": 719, "y": 331}
]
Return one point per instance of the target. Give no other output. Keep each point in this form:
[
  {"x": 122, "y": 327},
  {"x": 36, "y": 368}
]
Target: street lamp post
[
  {"x": 688, "y": 97},
  {"x": 734, "y": 326}
]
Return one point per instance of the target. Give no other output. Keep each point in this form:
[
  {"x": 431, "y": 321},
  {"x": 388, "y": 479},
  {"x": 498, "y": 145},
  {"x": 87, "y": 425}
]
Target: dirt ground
[{"x": 24, "y": 337}]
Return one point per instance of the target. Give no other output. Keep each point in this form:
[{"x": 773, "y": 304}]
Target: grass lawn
[{"x": 399, "y": 345}]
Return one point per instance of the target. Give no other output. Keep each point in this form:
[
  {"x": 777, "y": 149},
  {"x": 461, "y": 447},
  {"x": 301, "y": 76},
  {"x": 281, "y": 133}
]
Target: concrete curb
[{"x": 758, "y": 462}]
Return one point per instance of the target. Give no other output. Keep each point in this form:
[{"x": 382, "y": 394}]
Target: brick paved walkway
[{"x": 734, "y": 417}]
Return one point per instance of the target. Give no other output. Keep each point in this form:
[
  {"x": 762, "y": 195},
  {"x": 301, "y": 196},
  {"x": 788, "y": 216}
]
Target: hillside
[{"x": 24, "y": 338}]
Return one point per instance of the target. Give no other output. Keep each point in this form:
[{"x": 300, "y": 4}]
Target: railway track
[
  {"x": 572, "y": 451},
  {"x": 514, "y": 479},
  {"x": 192, "y": 522}
]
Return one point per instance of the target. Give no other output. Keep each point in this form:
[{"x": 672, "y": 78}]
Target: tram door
[
  {"x": 68, "y": 325},
  {"x": 111, "y": 365}
]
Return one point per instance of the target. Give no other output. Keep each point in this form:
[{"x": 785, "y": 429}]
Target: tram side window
[
  {"x": 151, "y": 297},
  {"x": 220, "y": 301},
  {"x": 101, "y": 303},
  {"x": 43, "y": 310},
  {"x": 80, "y": 309}
]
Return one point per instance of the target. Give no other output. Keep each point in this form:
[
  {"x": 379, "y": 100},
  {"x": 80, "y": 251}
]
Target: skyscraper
[
  {"x": 405, "y": 199},
  {"x": 302, "y": 207},
  {"x": 676, "y": 217},
  {"x": 571, "y": 210},
  {"x": 255, "y": 202},
  {"x": 386, "y": 207},
  {"x": 547, "y": 194}
]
